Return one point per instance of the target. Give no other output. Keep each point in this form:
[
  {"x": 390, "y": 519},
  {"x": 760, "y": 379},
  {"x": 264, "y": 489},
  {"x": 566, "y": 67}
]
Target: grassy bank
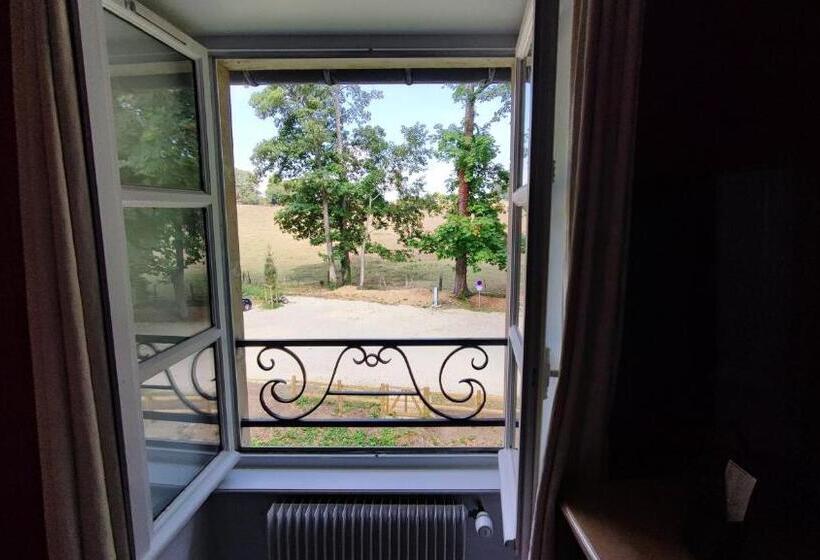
[{"x": 299, "y": 264}]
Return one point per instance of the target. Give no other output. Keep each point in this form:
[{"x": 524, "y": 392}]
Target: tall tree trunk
[
  {"x": 460, "y": 288},
  {"x": 337, "y": 109},
  {"x": 363, "y": 249},
  {"x": 347, "y": 273},
  {"x": 333, "y": 276}
]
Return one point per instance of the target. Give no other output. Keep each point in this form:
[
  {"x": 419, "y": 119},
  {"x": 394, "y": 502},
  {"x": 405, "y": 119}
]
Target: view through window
[{"x": 372, "y": 233}]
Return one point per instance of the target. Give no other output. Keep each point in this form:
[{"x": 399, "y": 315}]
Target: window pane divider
[
  {"x": 154, "y": 197},
  {"x": 177, "y": 353}
]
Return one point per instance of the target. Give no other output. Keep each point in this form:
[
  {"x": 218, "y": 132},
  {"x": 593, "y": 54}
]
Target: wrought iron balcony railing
[
  {"x": 294, "y": 383},
  {"x": 453, "y": 396}
]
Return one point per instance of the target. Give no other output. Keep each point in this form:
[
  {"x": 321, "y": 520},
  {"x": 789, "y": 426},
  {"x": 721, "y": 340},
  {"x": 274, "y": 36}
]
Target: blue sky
[{"x": 401, "y": 105}]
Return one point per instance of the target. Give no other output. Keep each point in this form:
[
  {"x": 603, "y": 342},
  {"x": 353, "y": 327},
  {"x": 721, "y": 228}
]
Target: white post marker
[{"x": 479, "y": 287}]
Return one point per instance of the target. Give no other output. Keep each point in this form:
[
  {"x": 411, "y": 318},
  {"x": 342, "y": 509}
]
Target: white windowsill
[{"x": 474, "y": 474}]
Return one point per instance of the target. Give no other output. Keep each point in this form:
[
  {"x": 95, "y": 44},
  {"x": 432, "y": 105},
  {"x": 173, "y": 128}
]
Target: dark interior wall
[
  {"x": 722, "y": 324},
  {"x": 663, "y": 408},
  {"x": 768, "y": 224}
]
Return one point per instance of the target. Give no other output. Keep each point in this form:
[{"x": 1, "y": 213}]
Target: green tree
[
  {"x": 247, "y": 187},
  {"x": 271, "y": 280},
  {"x": 309, "y": 150},
  {"x": 275, "y": 190},
  {"x": 387, "y": 190},
  {"x": 270, "y": 272},
  {"x": 472, "y": 232}
]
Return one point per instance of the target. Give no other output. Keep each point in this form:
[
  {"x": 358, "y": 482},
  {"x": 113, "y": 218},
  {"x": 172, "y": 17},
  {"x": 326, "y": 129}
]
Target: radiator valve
[{"x": 484, "y": 524}]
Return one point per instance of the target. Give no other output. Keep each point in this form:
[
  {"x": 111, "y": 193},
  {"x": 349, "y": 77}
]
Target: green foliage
[
  {"x": 157, "y": 136},
  {"x": 370, "y": 407},
  {"x": 364, "y": 180},
  {"x": 268, "y": 293},
  {"x": 333, "y": 437},
  {"x": 479, "y": 238},
  {"x": 247, "y": 187},
  {"x": 383, "y": 187},
  {"x": 476, "y": 236},
  {"x": 271, "y": 276},
  {"x": 275, "y": 191},
  {"x": 305, "y": 120},
  {"x": 162, "y": 240},
  {"x": 162, "y": 244},
  {"x": 311, "y": 155},
  {"x": 158, "y": 146},
  {"x": 481, "y": 92}
]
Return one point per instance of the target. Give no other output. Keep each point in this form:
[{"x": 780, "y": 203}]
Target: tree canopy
[{"x": 337, "y": 177}]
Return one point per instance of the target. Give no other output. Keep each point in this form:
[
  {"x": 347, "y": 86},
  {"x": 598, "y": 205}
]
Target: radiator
[{"x": 393, "y": 528}]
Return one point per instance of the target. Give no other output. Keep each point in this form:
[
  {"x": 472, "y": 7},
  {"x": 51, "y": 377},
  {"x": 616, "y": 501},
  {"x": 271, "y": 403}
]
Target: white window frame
[
  {"x": 223, "y": 66},
  {"x": 149, "y": 535},
  {"x": 518, "y": 199},
  {"x": 529, "y": 351}
]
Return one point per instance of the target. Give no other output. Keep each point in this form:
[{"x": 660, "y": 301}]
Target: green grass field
[{"x": 299, "y": 264}]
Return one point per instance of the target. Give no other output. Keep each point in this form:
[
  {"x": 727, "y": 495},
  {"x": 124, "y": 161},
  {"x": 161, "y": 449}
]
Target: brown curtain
[
  {"x": 82, "y": 493},
  {"x": 606, "y": 53}
]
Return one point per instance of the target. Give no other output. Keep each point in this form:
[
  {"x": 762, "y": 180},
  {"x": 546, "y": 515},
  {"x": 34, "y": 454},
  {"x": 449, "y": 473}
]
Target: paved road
[{"x": 306, "y": 317}]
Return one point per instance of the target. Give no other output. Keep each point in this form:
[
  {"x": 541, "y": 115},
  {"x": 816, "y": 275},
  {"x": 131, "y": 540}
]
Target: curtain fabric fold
[
  {"x": 605, "y": 69},
  {"x": 84, "y": 504}
]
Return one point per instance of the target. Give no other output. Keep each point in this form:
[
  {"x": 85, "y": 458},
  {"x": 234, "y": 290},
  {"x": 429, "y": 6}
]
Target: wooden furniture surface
[{"x": 635, "y": 520}]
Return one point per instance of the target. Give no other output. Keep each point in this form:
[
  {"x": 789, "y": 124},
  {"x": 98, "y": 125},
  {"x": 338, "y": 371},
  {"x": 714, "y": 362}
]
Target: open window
[{"x": 203, "y": 374}]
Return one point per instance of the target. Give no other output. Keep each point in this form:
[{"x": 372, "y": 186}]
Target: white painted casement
[
  {"x": 149, "y": 534},
  {"x": 517, "y": 224},
  {"x": 537, "y": 250}
]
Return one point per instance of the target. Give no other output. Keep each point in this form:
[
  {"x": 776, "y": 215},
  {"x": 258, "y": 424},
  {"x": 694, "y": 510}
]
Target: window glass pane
[
  {"x": 180, "y": 416},
  {"x": 168, "y": 267},
  {"x": 526, "y": 123},
  {"x": 154, "y": 98},
  {"x": 522, "y": 273}
]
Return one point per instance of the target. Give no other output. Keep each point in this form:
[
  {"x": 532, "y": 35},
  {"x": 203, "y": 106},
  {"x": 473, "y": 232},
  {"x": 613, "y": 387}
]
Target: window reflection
[
  {"x": 180, "y": 418},
  {"x": 168, "y": 269},
  {"x": 155, "y": 115},
  {"x": 522, "y": 274},
  {"x": 526, "y": 124}
]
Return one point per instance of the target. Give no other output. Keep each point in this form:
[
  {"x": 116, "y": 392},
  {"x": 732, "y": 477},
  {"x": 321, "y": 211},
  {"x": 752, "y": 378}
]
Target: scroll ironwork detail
[{"x": 273, "y": 392}]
